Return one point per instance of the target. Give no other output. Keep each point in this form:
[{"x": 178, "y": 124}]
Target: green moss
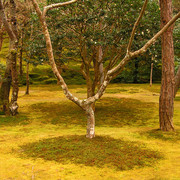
[
  {"x": 48, "y": 137},
  {"x": 13, "y": 120},
  {"x": 102, "y": 151}
]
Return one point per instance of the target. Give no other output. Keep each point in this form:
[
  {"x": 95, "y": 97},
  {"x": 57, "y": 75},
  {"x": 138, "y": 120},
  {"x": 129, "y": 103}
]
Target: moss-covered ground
[{"x": 46, "y": 140}]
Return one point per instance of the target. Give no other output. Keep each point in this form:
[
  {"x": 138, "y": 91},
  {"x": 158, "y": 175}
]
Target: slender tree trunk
[
  {"x": 5, "y": 88},
  {"x": 1, "y": 34},
  {"x": 27, "y": 79},
  {"x": 20, "y": 55},
  {"x": 135, "y": 79},
  {"x": 13, "y": 54},
  {"x": 151, "y": 74},
  {"x": 166, "y": 101},
  {"x": 1, "y": 39},
  {"x": 13, "y": 58},
  {"x": 90, "y": 122},
  {"x": 177, "y": 82}
]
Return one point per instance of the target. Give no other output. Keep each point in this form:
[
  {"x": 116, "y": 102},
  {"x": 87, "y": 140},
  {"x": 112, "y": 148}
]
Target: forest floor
[{"x": 46, "y": 140}]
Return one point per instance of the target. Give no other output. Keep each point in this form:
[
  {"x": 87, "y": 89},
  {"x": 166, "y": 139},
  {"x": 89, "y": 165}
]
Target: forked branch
[{"x": 115, "y": 71}]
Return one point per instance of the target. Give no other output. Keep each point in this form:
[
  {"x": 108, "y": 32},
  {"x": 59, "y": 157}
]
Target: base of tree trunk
[
  {"x": 90, "y": 123},
  {"x": 14, "y": 108},
  {"x": 166, "y": 126}
]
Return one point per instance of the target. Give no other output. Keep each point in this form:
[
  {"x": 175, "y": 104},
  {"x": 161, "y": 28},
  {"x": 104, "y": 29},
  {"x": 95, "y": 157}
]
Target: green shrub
[{"x": 50, "y": 81}]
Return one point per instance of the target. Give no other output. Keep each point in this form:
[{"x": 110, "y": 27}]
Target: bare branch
[
  {"x": 136, "y": 25},
  {"x": 57, "y": 5},
  {"x": 51, "y": 56},
  {"x": 36, "y": 7},
  {"x": 6, "y": 24}
]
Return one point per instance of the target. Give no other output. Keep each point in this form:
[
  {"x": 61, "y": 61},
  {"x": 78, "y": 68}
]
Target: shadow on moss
[
  {"x": 165, "y": 136},
  {"x": 109, "y": 112},
  {"x": 102, "y": 151},
  {"x": 177, "y": 98},
  {"x": 13, "y": 120}
]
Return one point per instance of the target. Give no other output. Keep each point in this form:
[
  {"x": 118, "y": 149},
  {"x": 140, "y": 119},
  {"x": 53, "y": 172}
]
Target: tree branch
[
  {"x": 130, "y": 55},
  {"x": 51, "y": 57},
  {"x": 57, "y": 5},
  {"x": 136, "y": 25},
  {"x": 6, "y": 24},
  {"x": 126, "y": 59}
]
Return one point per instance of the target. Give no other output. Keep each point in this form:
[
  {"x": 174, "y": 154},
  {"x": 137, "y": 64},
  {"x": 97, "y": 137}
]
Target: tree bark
[
  {"x": 20, "y": 55},
  {"x": 90, "y": 122},
  {"x": 177, "y": 82},
  {"x": 13, "y": 54},
  {"x": 11, "y": 60},
  {"x": 166, "y": 100},
  {"x": 5, "y": 88}
]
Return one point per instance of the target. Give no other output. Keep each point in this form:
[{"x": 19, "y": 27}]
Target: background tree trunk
[
  {"x": 151, "y": 74},
  {"x": 166, "y": 101},
  {"x": 135, "y": 74},
  {"x": 1, "y": 34},
  {"x": 27, "y": 79},
  {"x": 20, "y": 55},
  {"x": 5, "y": 88}
]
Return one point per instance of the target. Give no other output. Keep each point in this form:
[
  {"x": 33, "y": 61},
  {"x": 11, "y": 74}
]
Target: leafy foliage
[{"x": 90, "y": 24}]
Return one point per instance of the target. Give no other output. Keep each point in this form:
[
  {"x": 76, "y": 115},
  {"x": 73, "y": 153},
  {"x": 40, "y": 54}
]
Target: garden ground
[{"x": 46, "y": 140}]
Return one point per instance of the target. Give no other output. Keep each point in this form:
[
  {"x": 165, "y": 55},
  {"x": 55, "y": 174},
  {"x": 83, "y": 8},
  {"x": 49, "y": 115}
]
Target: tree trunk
[
  {"x": 5, "y": 88},
  {"x": 90, "y": 122},
  {"x": 13, "y": 54},
  {"x": 151, "y": 74},
  {"x": 13, "y": 58},
  {"x": 177, "y": 82},
  {"x": 27, "y": 79},
  {"x": 166, "y": 100},
  {"x": 135, "y": 74},
  {"x": 1, "y": 39},
  {"x": 1, "y": 34},
  {"x": 20, "y": 55}
]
